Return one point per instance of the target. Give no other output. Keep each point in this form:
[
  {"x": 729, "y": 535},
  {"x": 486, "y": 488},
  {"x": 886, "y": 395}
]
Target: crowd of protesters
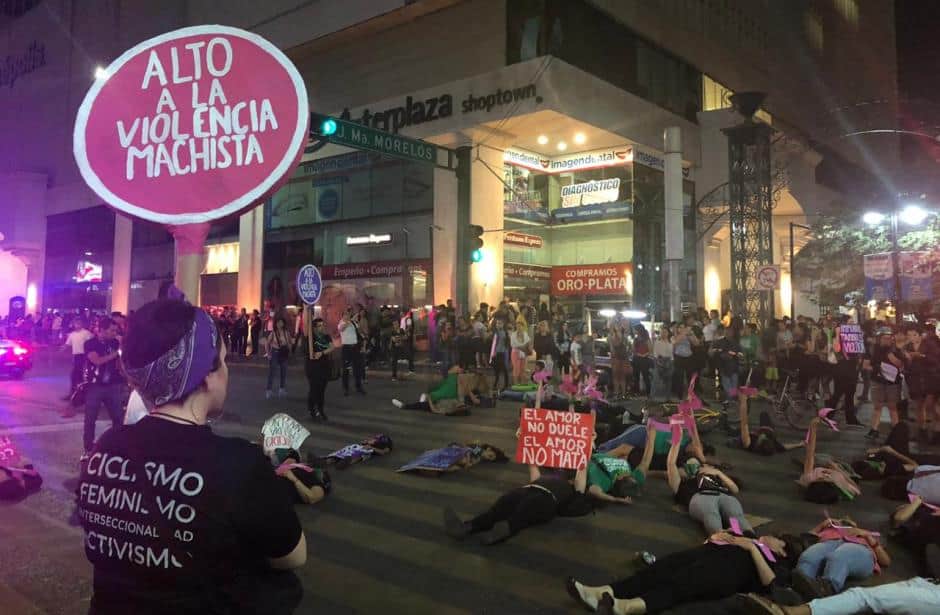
[{"x": 897, "y": 371}]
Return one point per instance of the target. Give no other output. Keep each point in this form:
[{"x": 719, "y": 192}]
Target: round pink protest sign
[{"x": 192, "y": 126}]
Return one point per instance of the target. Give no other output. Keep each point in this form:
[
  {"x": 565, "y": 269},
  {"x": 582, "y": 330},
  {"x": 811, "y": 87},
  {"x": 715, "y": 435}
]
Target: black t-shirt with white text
[
  {"x": 173, "y": 514},
  {"x": 110, "y": 372}
]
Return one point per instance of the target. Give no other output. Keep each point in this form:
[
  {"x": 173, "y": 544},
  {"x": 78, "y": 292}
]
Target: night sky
[{"x": 918, "y": 35}]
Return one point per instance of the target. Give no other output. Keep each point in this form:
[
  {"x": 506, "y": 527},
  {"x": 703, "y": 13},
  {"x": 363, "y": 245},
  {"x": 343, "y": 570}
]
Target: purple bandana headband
[{"x": 181, "y": 369}]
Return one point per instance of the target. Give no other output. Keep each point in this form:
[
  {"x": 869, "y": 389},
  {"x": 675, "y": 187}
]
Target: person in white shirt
[
  {"x": 576, "y": 359},
  {"x": 352, "y": 352},
  {"x": 662, "y": 355},
  {"x": 76, "y": 341}
]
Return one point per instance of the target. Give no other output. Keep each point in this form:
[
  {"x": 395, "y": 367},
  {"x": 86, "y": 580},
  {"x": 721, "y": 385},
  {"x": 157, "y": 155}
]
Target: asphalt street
[{"x": 376, "y": 544}]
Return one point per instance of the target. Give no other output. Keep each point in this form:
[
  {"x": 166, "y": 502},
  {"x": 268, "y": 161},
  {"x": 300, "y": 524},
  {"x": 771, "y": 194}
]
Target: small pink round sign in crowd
[{"x": 192, "y": 126}]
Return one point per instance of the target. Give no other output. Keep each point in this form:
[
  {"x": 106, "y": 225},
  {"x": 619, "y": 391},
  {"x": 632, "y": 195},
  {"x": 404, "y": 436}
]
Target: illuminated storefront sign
[
  {"x": 590, "y": 193},
  {"x": 523, "y": 239},
  {"x": 88, "y": 272},
  {"x": 604, "y": 279},
  {"x": 596, "y": 159},
  {"x": 373, "y": 270},
  {"x": 369, "y": 240}
]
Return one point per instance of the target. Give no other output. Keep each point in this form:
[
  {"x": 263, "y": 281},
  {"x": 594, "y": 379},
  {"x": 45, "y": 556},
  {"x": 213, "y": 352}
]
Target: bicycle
[{"x": 798, "y": 412}]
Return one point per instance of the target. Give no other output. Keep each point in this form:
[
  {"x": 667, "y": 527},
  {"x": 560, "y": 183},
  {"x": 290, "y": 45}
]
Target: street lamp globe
[
  {"x": 913, "y": 215},
  {"x": 873, "y": 218}
]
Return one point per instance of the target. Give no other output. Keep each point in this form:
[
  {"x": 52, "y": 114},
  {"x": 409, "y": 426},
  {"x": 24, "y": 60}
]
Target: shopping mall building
[{"x": 557, "y": 110}]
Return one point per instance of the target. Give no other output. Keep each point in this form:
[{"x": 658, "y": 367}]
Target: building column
[
  {"x": 444, "y": 236},
  {"x": 712, "y": 279},
  {"x": 189, "y": 243},
  {"x": 486, "y": 209},
  {"x": 250, "y": 258},
  {"x": 121, "y": 267},
  {"x": 674, "y": 231}
]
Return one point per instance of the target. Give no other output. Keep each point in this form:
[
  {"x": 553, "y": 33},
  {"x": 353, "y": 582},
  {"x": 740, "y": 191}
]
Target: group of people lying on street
[{"x": 805, "y": 573}]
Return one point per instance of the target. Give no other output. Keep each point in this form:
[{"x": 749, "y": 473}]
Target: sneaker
[
  {"x": 411, "y": 372},
  {"x": 574, "y": 590},
  {"x": 756, "y": 604},
  {"x": 282, "y": 393},
  {"x": 810, "y": 587},
  {"x": 852, "y": 420},
  {"x": 268, "y": 394},
  {"x": 872, "y": 434},
  {"x": 423, "y": 398},
  {"x": 394, "y": 379},
  {"x": 398, "y": 403}
]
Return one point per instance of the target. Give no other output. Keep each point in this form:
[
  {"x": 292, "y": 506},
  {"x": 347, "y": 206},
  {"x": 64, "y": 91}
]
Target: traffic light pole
[{"x": 463, "y": 223}]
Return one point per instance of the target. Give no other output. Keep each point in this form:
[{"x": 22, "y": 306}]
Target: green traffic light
[
  {"x": 328, "y": 127},
  {"x": 476, "y": 256}
]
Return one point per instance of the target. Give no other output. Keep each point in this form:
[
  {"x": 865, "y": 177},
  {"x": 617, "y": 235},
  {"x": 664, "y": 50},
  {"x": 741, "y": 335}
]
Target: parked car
[{"x": 15, "y": 358}]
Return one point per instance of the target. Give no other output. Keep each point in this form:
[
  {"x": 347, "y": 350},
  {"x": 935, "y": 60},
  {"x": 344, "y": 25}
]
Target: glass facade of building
[
  {"x": 592, "y": 40},
  {"x": 365, "y": 220}
]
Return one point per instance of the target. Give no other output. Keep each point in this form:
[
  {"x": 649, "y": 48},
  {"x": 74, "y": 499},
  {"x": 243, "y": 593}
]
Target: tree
[{"x": 833, "y": 257}]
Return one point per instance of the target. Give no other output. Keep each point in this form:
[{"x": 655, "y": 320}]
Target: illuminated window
[
  {"x": 717, "y": 96},
  {"x": 813, "y": 29},
  {"x": 849, "y": 11},
  {"x": 714, "y": 95},
  {"x": 222, "y": 258}
]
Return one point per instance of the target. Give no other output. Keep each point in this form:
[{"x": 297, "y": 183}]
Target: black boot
[{"x": 499, "y": 533}]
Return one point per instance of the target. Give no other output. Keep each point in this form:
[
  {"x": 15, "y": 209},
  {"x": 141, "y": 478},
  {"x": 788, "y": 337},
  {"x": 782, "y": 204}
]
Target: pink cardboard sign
[{"x": 192, "y": 126}]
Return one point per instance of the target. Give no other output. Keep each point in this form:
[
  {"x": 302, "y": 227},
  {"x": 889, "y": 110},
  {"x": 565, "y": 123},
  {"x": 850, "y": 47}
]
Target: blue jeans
[
  {"x": 635, "y": 436},
  {"x": 112, "y": 396},
  {"x": 836, "y": 561},
  {"x": 917, "y": 596},
  {"x": 276, "y": 361},
  {"x": 729, "y": 382}
]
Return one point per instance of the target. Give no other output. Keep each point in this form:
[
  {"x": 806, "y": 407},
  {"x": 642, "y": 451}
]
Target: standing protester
[
  {"x": 233, "y": 521},
  {"x": 499, "y": 353},
  {"x": 726, "y": 351},
  {"x": 684, "y": 364},
  {"x": 662, "y": 355},
  {"x": 642, "y": 362},
  {"x": 479, "y": 340},
  {"x": 318, "y": 364},
  {"x": 619, "y": 356},
  {"x": 107, "y": 386},
  {"x": 885, "y": 365},
  {"x": 925, "y": 360},
  {"x": 845, "y": 378},
  {"x": 352, "y": 352},
  {"x": 543, "y": 344},
  {"x": 76, "y": 342},
  {"x": 407, "y": 326},
  {"x": 563, "y": 348},
  {"x": 254, "y": 332},
  {"x": 279, "y": 345},
  {"x": 465, "y": 344},
  {"x": 521, "y": 343},
  {"x": 446, "y": 347}
]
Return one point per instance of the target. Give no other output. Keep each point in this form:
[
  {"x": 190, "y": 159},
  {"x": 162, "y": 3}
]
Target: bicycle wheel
[
  {"x": 707, "y": 424},
  {"x": 799, "y": 413}
]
